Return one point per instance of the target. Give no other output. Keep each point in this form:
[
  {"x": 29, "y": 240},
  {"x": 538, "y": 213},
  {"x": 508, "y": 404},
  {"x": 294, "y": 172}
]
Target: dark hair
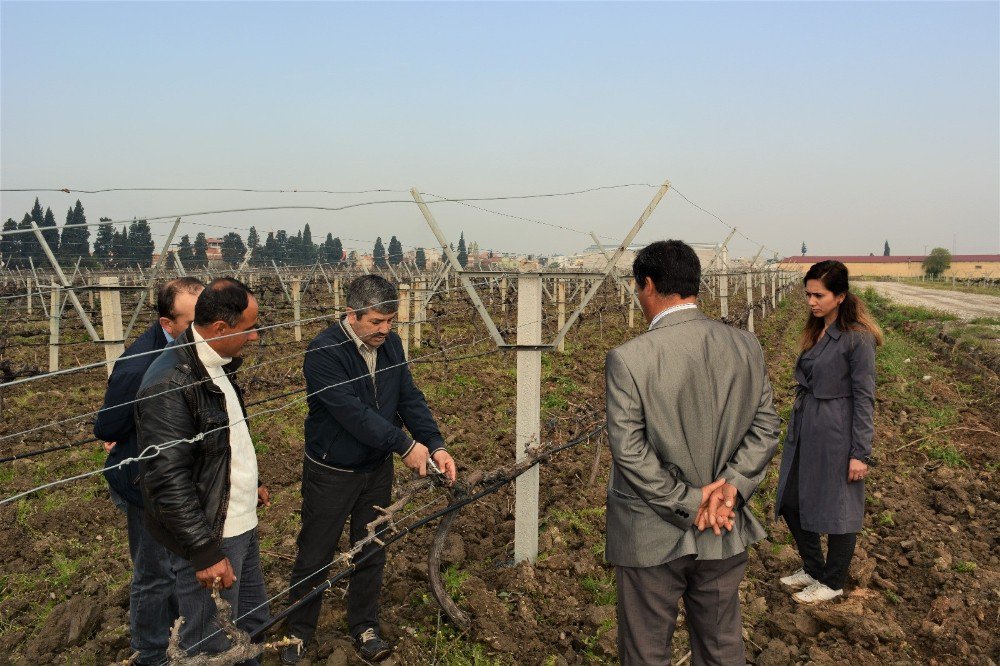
[
  {"x": 372, "y": 292},
  {"x": 852, "y": 315},
  {"x": 224, "y": 299},
  {"x": 167, "y": 294},
  {"x": 672, "y": 265}
]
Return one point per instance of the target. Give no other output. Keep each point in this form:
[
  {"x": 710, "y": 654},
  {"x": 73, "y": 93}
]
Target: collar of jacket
[
  {"x": 189, "y": 355},
  {"x": 159, "y": 337},
  {"x": 679, "y": 317},
  {"x": 834, "y": 331}
]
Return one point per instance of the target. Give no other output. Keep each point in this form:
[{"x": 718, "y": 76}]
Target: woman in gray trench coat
[{"x": 829, "y": 442}]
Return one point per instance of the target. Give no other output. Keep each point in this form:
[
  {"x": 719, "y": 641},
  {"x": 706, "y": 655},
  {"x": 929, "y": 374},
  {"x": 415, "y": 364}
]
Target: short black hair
[
  {"x": 224, "y": 299},
  {"x": 167, "y": 294},
  {"x": 672, "y": 265}
]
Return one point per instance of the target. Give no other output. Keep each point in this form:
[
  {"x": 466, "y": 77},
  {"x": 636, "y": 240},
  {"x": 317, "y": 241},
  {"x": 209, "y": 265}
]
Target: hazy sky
[{"x": 842, "y": 125}]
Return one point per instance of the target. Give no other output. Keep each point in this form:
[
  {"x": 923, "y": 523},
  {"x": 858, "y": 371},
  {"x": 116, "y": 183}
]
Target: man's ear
[
  {"x": 166, "y": 322},
  {"x": 352, "y": 316}
]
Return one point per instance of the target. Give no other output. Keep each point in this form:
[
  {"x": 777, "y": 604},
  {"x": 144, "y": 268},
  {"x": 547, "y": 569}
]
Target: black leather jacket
[{"x": 185, "y": 487}]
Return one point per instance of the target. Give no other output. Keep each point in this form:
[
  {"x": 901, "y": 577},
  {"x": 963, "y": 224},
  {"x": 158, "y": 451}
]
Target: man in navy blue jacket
[
  {"x": 152, "y": 603},
  {"x": 360, "y": 394}
]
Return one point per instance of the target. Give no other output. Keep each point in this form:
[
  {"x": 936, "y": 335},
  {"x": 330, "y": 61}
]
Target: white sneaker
[
  {"x": 816, "y": 593},
  {"x": 798, "y": 580}
]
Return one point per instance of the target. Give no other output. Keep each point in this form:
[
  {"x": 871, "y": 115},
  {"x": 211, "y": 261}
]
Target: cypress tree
[
  {"x": 233, "y": 249},
  {"x": 378, "y": 254},
  {"x": 140, "y": 243},
  {"x": 463, "y": 256},
  {"x": 104, "y": 243},
  {"x": 49, "y": 230},
  {"x": 281, "y": 246},
  {"x": 395, "y": 251},
  {"x": 270, "y": 249},
  {"x": 29, "y": 244},
  {"x": 337, "y": 252},
  {"x": 120, "y": 249},
  {"x": 200, "y": 259},
  {"x": 185, "y": 251},
  {"x": 10, "y": 245},
  {"x": 421, "y": 259},
  {"x": 308, "y": 249}
]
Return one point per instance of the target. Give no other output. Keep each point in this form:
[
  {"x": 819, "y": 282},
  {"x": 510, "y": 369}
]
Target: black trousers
[
  {"x": 329, "y": 498},
  {"x": 832, "y": 569}
]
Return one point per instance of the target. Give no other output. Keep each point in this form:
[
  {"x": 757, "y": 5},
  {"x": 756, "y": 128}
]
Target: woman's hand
[{"x": 857, "y": 470}]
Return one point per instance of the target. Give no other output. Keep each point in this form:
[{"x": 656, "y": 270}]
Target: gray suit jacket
[{"x": 688, "y": 402}]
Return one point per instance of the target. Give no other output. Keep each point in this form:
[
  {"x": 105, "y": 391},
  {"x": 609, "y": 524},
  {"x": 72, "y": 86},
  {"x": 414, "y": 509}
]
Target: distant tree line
[{"x": 132, "y": 244}]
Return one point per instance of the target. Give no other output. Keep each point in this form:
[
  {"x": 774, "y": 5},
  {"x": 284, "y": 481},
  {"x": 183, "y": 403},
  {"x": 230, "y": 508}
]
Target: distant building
[
  {"x": 962, "y": 265},
  {"x": 591, "y": 257}
]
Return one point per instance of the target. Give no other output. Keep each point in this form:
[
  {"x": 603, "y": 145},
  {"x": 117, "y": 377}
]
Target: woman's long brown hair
[{"x": 853, "y": 314}]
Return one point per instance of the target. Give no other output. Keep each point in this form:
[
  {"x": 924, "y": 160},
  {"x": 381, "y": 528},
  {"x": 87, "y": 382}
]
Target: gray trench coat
[{"x": 832, "y": 422}]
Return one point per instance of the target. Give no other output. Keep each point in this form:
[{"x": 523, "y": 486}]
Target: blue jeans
[
  {"x": 152, "y": 602},
  {"x": 247, "y": 596}
]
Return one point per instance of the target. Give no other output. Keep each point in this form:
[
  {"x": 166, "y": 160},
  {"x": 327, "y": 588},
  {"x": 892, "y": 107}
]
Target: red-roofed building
[{"x": 906, "y": 265}]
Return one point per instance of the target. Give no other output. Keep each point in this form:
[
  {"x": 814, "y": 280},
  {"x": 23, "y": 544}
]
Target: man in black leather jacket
[
  {"x": 200, "y": 489},
  {"x": 360, "y": 394},
  {"x": 152, "y": 602}
]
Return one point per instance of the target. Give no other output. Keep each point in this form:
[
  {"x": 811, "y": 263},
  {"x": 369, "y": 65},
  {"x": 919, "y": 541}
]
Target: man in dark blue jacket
[
  {"x": 360, "y": 394},
  {"x": 152, "y": 604}
]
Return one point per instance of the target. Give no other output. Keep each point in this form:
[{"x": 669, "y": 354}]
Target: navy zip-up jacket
[
  {"x": 116, "y": 420},
  {"x": 354, "y": 423}
]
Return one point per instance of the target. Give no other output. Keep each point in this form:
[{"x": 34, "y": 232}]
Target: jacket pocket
[
  {"x": 213, "y": 420},
  {"x": 625, "y": 496}
]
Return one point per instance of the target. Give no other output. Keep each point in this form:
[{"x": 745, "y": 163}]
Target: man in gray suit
[{"x": 692, "y": 429}]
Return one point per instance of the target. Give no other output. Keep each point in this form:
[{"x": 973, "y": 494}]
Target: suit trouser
[
  {"x": 647, "y": 610},
  {"x": 329, "y": 498}
]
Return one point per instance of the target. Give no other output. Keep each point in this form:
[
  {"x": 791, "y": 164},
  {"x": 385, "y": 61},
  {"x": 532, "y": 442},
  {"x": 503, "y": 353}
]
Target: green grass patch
[
  {"x": 965, "y": 567},
  {"x": 583, "y": 521},
  {"x": 602, "y": 588},
  {"x": 453, "y": 579},
  {"x": 946, "y": 453}
]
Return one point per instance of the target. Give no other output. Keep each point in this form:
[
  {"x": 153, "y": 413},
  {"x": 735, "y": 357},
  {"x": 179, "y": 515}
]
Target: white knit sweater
[{"x": 241, "y": 515}]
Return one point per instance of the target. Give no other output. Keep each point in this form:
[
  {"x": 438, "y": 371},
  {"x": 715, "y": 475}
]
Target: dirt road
[{"x": 960, "y": 304}]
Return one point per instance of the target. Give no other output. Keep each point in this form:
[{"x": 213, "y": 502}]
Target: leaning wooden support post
[
  {"x": 774, "y": 280},
  {"x": 84, "y": 318},
  {"x": 763, "y": 295},
  {"x": 297, "y": 307},
  {"x": 55, "y": 313},
  {"x": 529, "y": 401},
  {"x": 419, "y": 312},
  {"x": 336, "y": 293},
  {"x": 561, "y": 312},
  {"x": 503, "y": 294},
  {"x": 724, "y": 285},
  {"x": 631, "y": 303},
  {"x": 750, "y": 301},
  {"x": 111, "y": 321},
  {"x": 281, "y": 281},
  {"x": 629, "y": 237},
  {"x": 30, "y": 296},
  {"x": 403, "y": 319}
]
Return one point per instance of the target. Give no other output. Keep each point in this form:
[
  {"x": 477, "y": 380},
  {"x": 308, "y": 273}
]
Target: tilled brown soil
[{"x": 925, "y": 585}]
